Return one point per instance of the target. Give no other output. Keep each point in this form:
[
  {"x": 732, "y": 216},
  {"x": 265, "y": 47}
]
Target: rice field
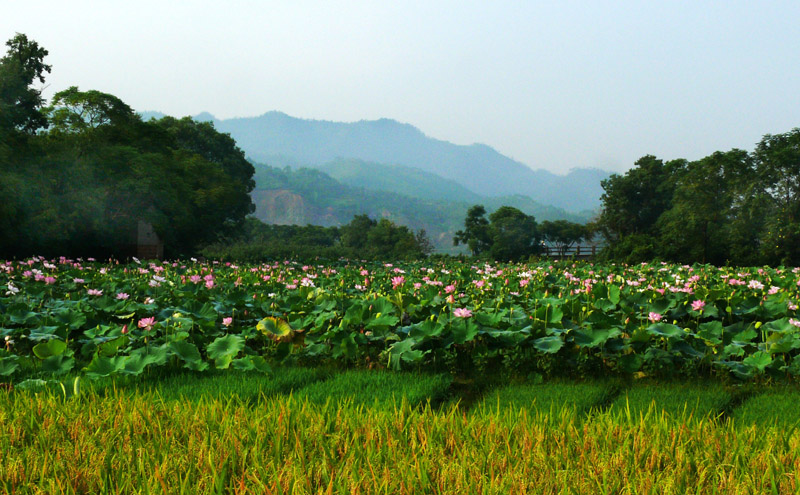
[{"x": 312, "y": 431}]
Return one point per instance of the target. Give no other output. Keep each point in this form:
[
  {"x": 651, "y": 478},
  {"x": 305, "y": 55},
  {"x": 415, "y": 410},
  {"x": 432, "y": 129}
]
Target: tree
[
  {"x": 476, "y": 231},
  {"x": 423, "y": 242},
  {"x": 389, "y": 241},
  {"x": 217, "y": 147},
  {"x": 777, "y": 163},
  {"x": 633, "y": 204},
  {"x": 74, "y": 111},
  {"x": 201, "y": 138},
  {"x": 20, "y": 102},
  {"x": 354, "y": 234},
  {"x": 514, "y": 234},
  {"x": 698, "y": 226},
  {"x": 563, "y": 234}
]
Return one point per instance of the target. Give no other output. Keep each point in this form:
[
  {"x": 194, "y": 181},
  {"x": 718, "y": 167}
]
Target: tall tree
[
  {"x": 777, "y": 162},
  {"x": 476, "y": 234},
  {"x": 633, "y": 204},
  {"x": 20, "y": 102},
  {"x": 697, "y": 227}
]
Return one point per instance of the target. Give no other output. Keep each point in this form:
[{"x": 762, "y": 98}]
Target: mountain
[
  {"x": 275, "y": 137},
  {"x": 303, "y": 196},
  {"x": 399, "y": 179}
]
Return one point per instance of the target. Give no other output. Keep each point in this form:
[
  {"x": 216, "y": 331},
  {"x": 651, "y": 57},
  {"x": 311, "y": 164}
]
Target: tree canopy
[{"x": 729, "y": 207}]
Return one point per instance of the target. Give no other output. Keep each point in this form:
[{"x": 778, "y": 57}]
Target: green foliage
[
  {"x": 514, "y": 235},
  {"x": 83, "y": 186},
  {"x": 247, "y": 386},
  {"x": 773, "y": 407}
]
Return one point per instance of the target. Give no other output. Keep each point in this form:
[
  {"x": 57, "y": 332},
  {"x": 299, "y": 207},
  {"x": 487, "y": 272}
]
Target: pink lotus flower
[
  {"x": 654, "y": 317},
  {"x": 450, "y": 289},
  {"x": 397, "y": 282},
  {"x": 94, "y": 292},
  {"x": 794, "y": 322},
  {"x": 122, "y": 296},
  {"x": 698, "y": 305},
  {"x": 227, "y": 321},
  {"x": 195, "y": 279},
  {"x": 147, "y": 323},
  {"x": 462, "y": 313}
]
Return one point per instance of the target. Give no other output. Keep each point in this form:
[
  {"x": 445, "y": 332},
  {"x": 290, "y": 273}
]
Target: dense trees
[
  {"x": 77, "y": 176},
  {"x": 362, "y": 238},
  {"x": 729, "y": 207}
]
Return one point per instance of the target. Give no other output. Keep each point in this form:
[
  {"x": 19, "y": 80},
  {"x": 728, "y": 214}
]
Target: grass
[
  {"x": 193, "y": 386},
  {"x": 368, "y": 387},
  {"x": 780, "y": 408},
  {"x": 550, "y": 396},
  {"x": 679, "y": 400},
  {"x": 246, "y": 386}
]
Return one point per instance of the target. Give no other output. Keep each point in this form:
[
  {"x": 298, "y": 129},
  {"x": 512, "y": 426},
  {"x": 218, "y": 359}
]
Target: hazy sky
[{"x": 556, "y": 84}]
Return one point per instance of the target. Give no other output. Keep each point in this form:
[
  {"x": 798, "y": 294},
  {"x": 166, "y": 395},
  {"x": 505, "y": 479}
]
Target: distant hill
[
  {"x": 276, "y": 138},
  {"x": 400, "y": 179},
  {"x": 308, "y": 196}
]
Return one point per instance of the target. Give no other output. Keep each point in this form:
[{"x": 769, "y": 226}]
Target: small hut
[{"x": 148, "y": 244}]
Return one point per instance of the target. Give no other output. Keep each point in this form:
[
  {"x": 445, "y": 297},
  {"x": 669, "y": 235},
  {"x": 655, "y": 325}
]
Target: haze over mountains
[
  {"x": 478, "y": 168},
  {"x": 276, "y": 138},
  {"x": 388, "y": 169}
]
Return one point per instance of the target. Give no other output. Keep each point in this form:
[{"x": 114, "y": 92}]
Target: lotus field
[{"x": 552, "y": 318}]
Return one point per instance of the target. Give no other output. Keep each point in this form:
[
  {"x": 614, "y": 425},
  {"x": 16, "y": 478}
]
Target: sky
[{"x": 555, "y": 84}]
